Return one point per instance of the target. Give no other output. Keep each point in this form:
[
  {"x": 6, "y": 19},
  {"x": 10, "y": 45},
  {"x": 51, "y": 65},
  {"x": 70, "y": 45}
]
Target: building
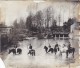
[{"x": 4, "y": 35}]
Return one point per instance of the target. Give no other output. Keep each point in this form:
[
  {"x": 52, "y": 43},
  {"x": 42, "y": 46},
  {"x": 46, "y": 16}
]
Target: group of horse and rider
[
  {"x": 16, "y": 50},
  {"x": 67, "y": 49}
]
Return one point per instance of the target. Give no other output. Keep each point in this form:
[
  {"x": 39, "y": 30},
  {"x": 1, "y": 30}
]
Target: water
[{"x": 41, "y": 60}]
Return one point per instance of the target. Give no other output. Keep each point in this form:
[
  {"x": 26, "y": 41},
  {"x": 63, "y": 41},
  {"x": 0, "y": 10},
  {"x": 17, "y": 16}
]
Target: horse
[
  {"x": 53, "y": 50},
  {"x": 63, "y": 49},
  {"x": 67, "y": 50},
  {"x": 31, "y": 52},
  {"x": 13, "y": 51},
  {"x": 70, "y": 50},
  {"x": 56, "y": 47},
  {"x": 30, "y": 47},
  {"x": 19, "y": 50},
  {"x": 46, "y": 48}
]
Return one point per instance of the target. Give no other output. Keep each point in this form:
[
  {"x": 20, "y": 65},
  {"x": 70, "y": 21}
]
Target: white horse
[
  {"x": 63, "y": 49},
  {"x": 66, "y": 50}
]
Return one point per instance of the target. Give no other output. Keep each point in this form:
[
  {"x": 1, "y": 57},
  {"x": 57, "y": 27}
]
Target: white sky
[{"x": 11, "y": 10}]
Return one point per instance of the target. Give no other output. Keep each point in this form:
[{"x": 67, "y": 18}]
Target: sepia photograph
[{"x": 40, "y": 33}]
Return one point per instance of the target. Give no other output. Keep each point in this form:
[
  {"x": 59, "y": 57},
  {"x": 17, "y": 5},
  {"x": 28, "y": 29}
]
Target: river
[{"x": 41, "y": 60}]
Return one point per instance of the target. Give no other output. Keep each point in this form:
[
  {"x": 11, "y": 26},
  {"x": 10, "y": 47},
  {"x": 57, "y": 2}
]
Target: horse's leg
[
  {"x": 15, "y": 52},
  {"x": 9, "y": 51},
  {"x": 52, "y": 50},
  {"x": 73, "y": 52},
  {"x": 61, "y": 53},
  {"x": 49, "y": 50},
  {"x": 34, "y": 53},
  {"x": 20, "y": 51},
  {"x": 29, "y": 52},
  {"x": 58, "y": 49},
  {"x": 55, "y": 53},
  {"x": 46, "y": 50},
  {"x": 66, "y": 54}
]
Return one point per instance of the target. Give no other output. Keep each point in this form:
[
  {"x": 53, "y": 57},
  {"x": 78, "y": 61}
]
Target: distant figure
[
  {"x": 57, "y": 46},
  {"x": 32, "y": 52},
  {"x": 30, "y": 47},
  {"x": 69, "y": 46},
  {"x": 46, "y": 48},
  {"x": 49, "y": 46}
]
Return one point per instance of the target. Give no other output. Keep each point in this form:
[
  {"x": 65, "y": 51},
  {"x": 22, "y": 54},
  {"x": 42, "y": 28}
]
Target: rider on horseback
[
  {"x": 69, "y": 46},
  {"x": 57, "y": 46},
  {"x": 49, "y": 46},
  {"x": 30, "y": 47},
  {"x": 31, "y": 50}
]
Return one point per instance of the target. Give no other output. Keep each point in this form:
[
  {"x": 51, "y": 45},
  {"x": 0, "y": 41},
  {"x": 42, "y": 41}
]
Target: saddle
[{"x": 31, "y": 51}]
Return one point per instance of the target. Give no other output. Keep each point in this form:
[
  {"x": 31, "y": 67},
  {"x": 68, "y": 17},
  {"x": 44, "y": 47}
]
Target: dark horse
[
  {"x": 31, "y": 52},
  {"x": 53, "y": 50},
  {"x": 19, "y": 50},
  {"x": 13, "y": 51},
  {"x": 56, "y": 47},
  {"x": 70, "y": 50}
]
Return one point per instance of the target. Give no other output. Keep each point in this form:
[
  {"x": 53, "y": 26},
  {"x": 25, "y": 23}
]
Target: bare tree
[
  {"x": 29, "y": 21},
  {"x": 48, "y": 16},
  {"x": 39, "y": 19}
]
